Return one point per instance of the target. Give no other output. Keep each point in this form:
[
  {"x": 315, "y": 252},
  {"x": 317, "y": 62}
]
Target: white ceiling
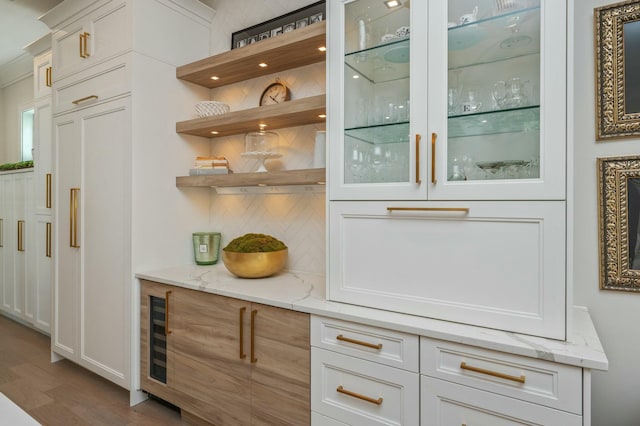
[{"x": 19, "y": 25}]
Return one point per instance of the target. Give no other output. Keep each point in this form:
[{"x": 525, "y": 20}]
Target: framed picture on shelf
[
  {"x": 617, "y": 39},
  {"x": 619, "y": 222},
  {"x": 300, "y": 18}
]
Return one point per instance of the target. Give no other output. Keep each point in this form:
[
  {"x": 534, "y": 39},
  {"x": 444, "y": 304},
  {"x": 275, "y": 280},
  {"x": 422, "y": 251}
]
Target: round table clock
[{"x": 275, "y": 93}]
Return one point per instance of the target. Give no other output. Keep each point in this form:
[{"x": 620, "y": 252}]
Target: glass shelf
[
  {"x": 497, "y": 38},
  {"x": 385, "y": 62},
  {"x": 381, "y": 134},
  {"x": 516, "y": 120}
]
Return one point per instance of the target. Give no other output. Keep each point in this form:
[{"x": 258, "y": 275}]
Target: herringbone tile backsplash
[{"x": 296, "y": 219}]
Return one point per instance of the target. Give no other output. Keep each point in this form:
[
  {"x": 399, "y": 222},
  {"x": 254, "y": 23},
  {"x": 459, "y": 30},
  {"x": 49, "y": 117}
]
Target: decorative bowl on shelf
[
  {"x": 255, "y": 256},
  {"x": 209, "y": 108}
]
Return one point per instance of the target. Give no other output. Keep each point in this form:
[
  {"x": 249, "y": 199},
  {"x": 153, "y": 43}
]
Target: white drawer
[
  {"x": 96, "y": 84},
  {"x": 375, "y": 344},
  {"x": 359, "y": 392},
  {"x": 320, "y": 420},
  {"x": 448, "y": 404},
  {"x": 541, "y": 382}
]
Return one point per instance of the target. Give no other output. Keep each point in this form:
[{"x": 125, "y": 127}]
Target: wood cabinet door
[
  {"x": 281, "y": 367},
  {"x": 208, "y": 361}
]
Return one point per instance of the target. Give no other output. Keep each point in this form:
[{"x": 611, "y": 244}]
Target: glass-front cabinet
[{"x": 447, "y": 100}]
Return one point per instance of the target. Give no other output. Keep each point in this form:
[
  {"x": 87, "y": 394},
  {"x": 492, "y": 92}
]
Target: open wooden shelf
[
  {"x": 286, "y": 51},
  {"x": 287, "y": 114},
  {"x": 276, "y": 178}
]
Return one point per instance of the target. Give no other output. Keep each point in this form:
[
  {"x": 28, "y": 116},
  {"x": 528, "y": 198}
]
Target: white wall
[
  {"x": 12, "y": 99},
  {"x": 616, "y": 395}
]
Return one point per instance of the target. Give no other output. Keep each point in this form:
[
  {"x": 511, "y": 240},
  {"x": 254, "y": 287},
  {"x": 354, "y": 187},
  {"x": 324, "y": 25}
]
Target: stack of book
[{"x": 210, "y": 166}]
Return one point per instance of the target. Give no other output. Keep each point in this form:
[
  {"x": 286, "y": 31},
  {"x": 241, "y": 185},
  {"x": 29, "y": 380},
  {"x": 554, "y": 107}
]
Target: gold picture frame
[
  {"x": 617, "y": 40},
  {"x": 619, "y": 222}
]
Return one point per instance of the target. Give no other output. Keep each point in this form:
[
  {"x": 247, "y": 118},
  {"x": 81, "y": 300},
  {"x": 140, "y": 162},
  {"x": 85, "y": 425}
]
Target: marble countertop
[{"x": 305, "y": 292}]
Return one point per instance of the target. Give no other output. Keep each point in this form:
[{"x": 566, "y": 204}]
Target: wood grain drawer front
[
  {"x": 375, "y": 344},
  {"x": 448, "y": 404},
  {"x": 93, "y": 85},
  {"x": 541, "y": 382},
  {"x": 359, "y": 392}
]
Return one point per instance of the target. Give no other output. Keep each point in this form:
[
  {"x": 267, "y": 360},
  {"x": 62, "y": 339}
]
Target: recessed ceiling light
[
  {"x": 322, "y": 48},
  {"x": 322, "y": 115},
  {"x": 214, "y": 132},
  {"x": 392, "y": 3},
  {"x": 262, "y": 65},
  {"x": 356, "y": 76},
  {"x": 262, "y": 184},
  {"x": 215, "y": 77}
]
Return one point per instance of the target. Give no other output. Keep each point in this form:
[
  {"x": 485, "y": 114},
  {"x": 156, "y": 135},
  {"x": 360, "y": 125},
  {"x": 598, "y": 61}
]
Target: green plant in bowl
[{"x": 255, "y": 256}]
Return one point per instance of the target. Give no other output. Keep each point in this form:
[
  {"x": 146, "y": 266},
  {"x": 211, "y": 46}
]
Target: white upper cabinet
[{"x": 448, "y": 100}]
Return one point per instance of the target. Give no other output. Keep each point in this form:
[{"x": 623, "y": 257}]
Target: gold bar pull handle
[
  {"x": 359, "y": 396},
  {"x": 242, "y": 354},
  {"x": 167, "y": 331},
  {"x": 253, "y": 336},
  {"x": 73, "y": 218},
  {"x": 84, "y": 45},
  {"x": 48, "y": 192},
  {"x": 81, "y": 37},
  {"x": 519, "y": 379},
  {"x": 429, "y": 209},
  {"x": 1, "y": 232},
  {"x": 20, "y": 235},
  {"x": 47, "y": 77},
  {"x": 418, "y": 138},
  {"x": 48, "y": 238},
  {"x": 359, "y": 342},
  {"x": 86, "y": 98},
  {"x": 434, "y": 136}
]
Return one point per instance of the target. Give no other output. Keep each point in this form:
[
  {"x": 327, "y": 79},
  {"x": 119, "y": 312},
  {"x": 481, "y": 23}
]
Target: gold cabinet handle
[
  {"x": 434, "y": 136},
  {"x": 48, "y": 191},
  {"x": 359, "y": 342},
  {"x": 242, "y": 354},
  {"x": 73, "y": 218},
  {"x": 429, "y": 209},
  {"x": 86, "y": 98},
  {"x": 166, "y": 313},
  {"x": 1, "y": 232},
  {"x": 418, "y": 138},
  {"x": 47, "y": 251},
  {"x": 20, "y": 235},
  {"x": 359, "y": 396},
  {"x": 47, "y": 77},
  {"x": 519, "y": 379},
  {"x": 84, "y": 53},
  {"x": 253, "y": 336}
]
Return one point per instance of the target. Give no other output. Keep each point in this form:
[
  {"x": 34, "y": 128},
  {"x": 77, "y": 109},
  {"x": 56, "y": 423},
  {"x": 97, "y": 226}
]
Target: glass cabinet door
[
  {"x": 499, "y": 107},
  {"x": 374, "y": 99}
]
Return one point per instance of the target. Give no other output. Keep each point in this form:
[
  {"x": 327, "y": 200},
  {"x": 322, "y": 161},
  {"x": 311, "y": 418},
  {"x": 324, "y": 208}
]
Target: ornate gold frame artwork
[
  {"x": 617, "y": 41},
  {"x": 619, "y": 222}
]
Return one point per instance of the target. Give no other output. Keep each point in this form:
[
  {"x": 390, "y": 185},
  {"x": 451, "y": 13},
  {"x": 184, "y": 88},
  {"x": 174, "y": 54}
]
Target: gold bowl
[{"x": 255, "y": 265}]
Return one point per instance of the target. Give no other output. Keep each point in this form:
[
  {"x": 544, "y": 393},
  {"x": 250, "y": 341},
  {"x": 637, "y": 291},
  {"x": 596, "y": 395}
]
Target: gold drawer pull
[
  {"x": 357, "y": 395},
  {"x": 48, "y": 240},
  {"x": 167, "y": 331},
  {"x": 434, "y": 136},
  {"x": 21, "y": 235},
  {"x": 242, "y": 354},
  {"x": 253, "y": 336},
  {"x": 48, "y": 191},
  {"x": 464, "y": 366},
  {"x": 359, "y": 342},
  {"x": 418, "y": 180},
  {"x": 429, "y": 209},
  {"x": 86, "y": 98},
  {"x": 73, "y": 218}
]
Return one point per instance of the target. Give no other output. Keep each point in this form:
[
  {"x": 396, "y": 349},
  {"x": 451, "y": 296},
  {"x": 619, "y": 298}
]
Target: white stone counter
[{"x": 305, "y": 292}]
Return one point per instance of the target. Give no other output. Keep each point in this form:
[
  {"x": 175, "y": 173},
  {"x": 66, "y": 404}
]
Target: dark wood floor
[{"x": 63, "y": 393}]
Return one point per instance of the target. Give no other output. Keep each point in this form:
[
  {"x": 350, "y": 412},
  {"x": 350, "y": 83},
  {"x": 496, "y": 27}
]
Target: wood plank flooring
[{"x": 64, "y": 393}]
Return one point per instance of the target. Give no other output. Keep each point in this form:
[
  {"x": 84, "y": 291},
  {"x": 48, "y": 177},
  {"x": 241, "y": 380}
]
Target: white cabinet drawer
[
  {"x": 359, "y": 392},
  {"x": 449, "y": 404},
  {"x": 541, "y": 382},
  {"x": 96, "y": 84},
  {"x": 497, "y": 265},
  {"x": 375, "y": 344},
  {"x": 320, "y": 420}
]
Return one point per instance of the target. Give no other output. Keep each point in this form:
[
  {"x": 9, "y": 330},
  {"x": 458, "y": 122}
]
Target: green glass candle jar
[{"x": 206, "y": 247}]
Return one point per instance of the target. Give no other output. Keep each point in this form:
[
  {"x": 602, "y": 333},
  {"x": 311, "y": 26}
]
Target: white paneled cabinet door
[
  {"x": 66, "y": 283},
  {"x": 6, "y": 258},
  {"x": 43, "y": 156},
  {"x": 42, "y": 283},
  {"x": 497, "y": 265},
  {"x": 92, "y": 276},
  {"x": 42, "y": 75}
]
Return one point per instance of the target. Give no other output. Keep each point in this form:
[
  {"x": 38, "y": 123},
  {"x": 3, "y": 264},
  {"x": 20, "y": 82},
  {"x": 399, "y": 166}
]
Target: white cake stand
[{"x": 262, "y": 156}]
